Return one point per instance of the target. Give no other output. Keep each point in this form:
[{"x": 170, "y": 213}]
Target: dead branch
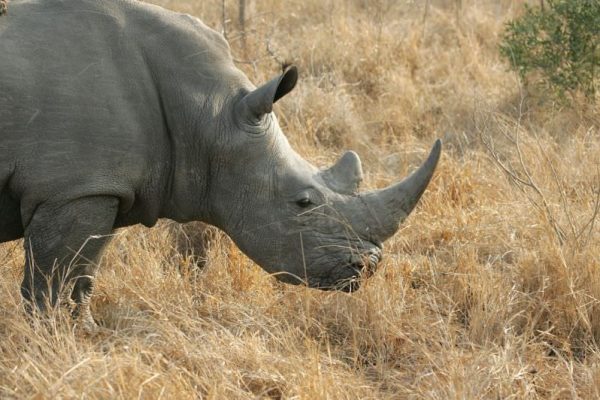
[{"x": 521, "y": 176}]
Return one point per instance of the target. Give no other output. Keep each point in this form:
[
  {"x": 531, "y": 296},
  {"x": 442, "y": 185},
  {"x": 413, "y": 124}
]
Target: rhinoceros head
[{"x": 300, "y": 223}]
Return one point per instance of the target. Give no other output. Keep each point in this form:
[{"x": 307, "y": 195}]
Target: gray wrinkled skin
[{"x": 115, "y": 113}]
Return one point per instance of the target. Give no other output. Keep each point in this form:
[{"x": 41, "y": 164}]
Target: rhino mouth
[{"x": 352, "y": 273}]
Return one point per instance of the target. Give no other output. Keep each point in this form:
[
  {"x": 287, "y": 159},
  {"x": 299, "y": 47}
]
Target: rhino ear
[
  {"x": 345, "y": 175},
  {"x": 260, "y": 101}
]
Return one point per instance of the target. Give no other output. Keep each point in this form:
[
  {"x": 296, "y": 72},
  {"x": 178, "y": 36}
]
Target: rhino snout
[
  {"x": 347, "y": 277},
  {"x": 367, "y": 261}
]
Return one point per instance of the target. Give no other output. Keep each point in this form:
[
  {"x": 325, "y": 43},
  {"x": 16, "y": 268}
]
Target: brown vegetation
[{"x": 491, "y": 289}]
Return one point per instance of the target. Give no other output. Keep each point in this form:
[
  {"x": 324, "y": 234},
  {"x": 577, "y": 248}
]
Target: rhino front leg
[{"x": 62, "y": 243}]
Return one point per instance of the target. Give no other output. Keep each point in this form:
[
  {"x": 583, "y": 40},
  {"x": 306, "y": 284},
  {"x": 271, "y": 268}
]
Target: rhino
[{"x": 115, "y": 113}]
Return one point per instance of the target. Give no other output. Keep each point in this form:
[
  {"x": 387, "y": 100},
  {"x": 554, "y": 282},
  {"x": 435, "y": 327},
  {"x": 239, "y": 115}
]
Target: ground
[{"x": 490, "y": 290}]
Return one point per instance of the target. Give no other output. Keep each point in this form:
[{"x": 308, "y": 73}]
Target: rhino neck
[
  {"x": 194, "y": 78},
  {"x": 185, "y": 187},
  {"x": 181, "y": 175},
  {"x": 198, "y": 124}
]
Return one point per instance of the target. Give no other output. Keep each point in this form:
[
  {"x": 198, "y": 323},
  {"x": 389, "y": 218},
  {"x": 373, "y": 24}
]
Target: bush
[{"x": 557, "y": 45}]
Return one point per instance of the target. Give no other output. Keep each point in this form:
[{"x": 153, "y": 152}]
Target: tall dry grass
[{"x": 490, "y": 290}]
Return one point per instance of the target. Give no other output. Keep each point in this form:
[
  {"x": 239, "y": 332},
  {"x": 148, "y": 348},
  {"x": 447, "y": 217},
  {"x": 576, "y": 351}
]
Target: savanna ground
[{"x": 490, "y": 290}]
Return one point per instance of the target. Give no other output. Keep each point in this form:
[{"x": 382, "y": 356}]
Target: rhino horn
[
  {"x": 391, "y": 206},
  {"x": 260, "y": 101},
  {"x": 345, "y": 175}
]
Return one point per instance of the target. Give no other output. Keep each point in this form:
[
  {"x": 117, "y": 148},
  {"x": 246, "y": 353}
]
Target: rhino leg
[{"x": 62, "y": 244}]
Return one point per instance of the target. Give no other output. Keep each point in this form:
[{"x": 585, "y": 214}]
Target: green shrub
[{"x": 557, "y": 46}]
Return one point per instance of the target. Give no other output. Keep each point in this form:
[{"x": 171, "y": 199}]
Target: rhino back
[{"x": 84, "y": 98}]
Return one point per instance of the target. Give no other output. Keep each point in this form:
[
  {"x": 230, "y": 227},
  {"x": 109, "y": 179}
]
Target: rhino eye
[{"x": 303, "y": 202}]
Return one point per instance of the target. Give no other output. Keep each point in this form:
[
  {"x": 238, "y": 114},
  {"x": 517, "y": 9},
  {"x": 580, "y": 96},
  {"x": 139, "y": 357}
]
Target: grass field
[{"x": 490, "y": 290}]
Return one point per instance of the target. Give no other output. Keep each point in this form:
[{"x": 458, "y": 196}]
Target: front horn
[{"x": 391, "y": 206}]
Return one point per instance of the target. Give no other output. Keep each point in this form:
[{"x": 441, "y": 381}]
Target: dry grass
[{"x": 491, "y": 289}]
